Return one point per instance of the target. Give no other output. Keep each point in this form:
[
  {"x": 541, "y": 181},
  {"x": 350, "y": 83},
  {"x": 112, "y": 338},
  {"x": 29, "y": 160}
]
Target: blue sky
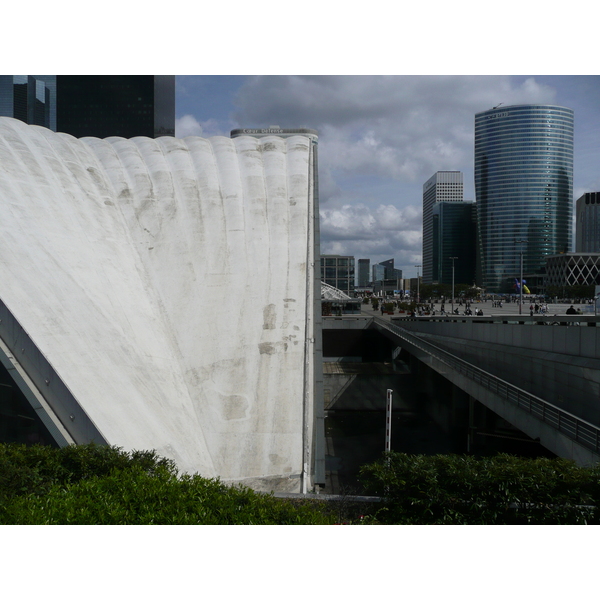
[{"x": 382, "y": 137}]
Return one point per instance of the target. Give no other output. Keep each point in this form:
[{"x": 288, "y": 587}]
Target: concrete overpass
[{"x": 540, "y": 374}]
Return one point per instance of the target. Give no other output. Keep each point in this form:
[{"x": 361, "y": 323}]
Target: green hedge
[
  {"x": 449, "y": 489},
  {"x": 105, "y": 485}
]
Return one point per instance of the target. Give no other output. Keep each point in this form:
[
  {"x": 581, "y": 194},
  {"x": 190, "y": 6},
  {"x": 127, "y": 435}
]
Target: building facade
[
  {"x": 338, "y": 272},
  {"x": 453, "y": 235},
  {"x": 587, "y": 225},
  {"x": 115, "y": 105},
  {"x": 573, "y": 268},
  {"x": 443, "y": 186},
  {"x": 523, "y": 186},
  {"x": 29, "y": 98},
  {"x": 385, "y": 270},
  {"x": 126, "y": 377},
  {"x": 92, "y": 105},
  {"x": 364, "y": 268}
]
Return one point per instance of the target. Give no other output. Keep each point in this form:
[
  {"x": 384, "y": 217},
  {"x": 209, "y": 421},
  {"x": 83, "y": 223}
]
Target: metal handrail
[{"x": 573, "y": 427}]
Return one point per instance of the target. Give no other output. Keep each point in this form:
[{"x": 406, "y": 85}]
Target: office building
[
  {"x": 115, "y": 105},
  {"x": 364, "y": 266},
  {"x": 92, "y": 105},
  {"x": 523, "y": 186},
  {"x": 443, "y": 186},
  {"x": 453, "y": 235},
  {"x": 587, "y": 226},
  {"x": 29, "y": 98},
  {"x": 338, "y": 272},
  {"x": 385, "y": 270}
]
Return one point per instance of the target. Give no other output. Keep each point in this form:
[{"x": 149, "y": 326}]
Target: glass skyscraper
[
  {"x": 92, "y": 105},
  {"x": 364, "y": 277},
  {"x": 524, "y": 190},
  {"x": 443, "y": 186},
  {"x": 454, "y": 235},
  {"x": 29, "y": 98},
  {"x": 120, "y": 105}
]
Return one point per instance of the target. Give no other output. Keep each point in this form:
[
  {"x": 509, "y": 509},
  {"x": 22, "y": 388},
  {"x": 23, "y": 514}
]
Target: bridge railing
[{"x": 569, "y": 425}]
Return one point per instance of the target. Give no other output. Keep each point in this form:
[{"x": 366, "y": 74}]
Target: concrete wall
[
  {"x": 168, "y": 284},
  {"x": 556, "y": 363}
]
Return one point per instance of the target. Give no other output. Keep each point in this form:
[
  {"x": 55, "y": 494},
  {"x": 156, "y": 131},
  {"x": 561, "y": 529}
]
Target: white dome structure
[{"x": 163, "y": 293}]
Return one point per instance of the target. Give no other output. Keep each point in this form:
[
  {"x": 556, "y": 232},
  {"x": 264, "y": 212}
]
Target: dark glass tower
[
  {"x": 524, "y": 189},
  {"x": 453, "y": 234},
  {"x": 116, "y": 105},
  {"x": 29, "y": 98}
]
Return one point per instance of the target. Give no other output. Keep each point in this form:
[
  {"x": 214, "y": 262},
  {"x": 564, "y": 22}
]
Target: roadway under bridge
[{"x": 540, "y": 374}]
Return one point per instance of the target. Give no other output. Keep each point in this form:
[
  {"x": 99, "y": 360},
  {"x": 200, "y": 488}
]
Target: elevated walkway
[{"x": 558, "y": 429}]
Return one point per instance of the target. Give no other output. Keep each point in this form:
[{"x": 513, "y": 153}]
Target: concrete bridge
[{"x": 540, "y": 374}]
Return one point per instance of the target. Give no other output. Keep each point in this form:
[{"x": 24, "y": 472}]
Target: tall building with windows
[
  {"x": 120, "y": 105},
  {"x": 587, "y": 225},
  {"x": 29, "y": 98},
  {"x": 443, "y": 186},
  {"x": 338, "y": 272},
  {"x": 92, "y": 105},
  {"x": 364, "y": 266},
  {"x": 524, "y": 187},
  {"x": 454, "y": 227}
]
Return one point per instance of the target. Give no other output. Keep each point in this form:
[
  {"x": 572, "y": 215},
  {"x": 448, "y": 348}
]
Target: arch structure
[
  {"x": 160, "y": 294},
  {"x": 328, "y": 292}
]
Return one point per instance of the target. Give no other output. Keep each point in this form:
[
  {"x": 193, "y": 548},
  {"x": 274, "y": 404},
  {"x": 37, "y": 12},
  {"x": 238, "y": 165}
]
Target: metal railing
[{"x": 572, "y": 427}]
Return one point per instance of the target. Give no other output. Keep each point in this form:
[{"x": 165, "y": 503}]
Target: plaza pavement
[{"x": 489, "y": 310}]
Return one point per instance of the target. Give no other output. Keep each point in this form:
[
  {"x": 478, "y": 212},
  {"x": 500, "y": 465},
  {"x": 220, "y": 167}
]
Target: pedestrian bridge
[{"x": 540, "y": 374}]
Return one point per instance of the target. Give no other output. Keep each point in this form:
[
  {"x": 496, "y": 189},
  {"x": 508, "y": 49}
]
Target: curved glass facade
[{"x": 524, "y": 189}]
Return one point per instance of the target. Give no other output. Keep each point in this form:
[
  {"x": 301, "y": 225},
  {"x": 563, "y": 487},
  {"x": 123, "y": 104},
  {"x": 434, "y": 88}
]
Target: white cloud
[
  {"x": 401, "y": 127},
  {"x": 377, "y": 233},
  {"x": 189, "y": 125}
]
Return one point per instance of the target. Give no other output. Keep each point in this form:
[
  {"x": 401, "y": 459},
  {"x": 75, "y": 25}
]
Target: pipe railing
[{"x": 569, "y": 425}]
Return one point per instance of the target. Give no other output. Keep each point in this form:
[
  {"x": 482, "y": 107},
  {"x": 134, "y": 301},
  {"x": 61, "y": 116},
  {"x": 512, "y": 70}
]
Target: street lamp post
[
  {"x": 453, "y": 258},
  {"x": 521, "y": 280},
  {"x": 418, "y": 297}
]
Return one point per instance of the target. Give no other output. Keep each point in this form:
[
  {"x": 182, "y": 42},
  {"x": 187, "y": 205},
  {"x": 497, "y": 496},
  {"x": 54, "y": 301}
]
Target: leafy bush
[
  {"x": 494, "y": 490},
  {"x": 105, "y": 485},
  {"x": 34, "y": 469}
]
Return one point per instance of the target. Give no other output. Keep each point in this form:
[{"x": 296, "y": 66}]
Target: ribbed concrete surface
[{"x": 166, "y": 282}]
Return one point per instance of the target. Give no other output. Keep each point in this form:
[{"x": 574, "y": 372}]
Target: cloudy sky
[{"x": 382, "y": 137}]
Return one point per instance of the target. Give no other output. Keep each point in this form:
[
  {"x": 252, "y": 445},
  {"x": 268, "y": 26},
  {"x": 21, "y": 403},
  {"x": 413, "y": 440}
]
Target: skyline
[{"x": 382, "y": 137}]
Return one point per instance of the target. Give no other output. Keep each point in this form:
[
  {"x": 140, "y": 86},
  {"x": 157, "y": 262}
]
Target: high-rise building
[
  {"x": 454, "y": 227},
  {"x": 92, "y": 105},
  {"x": 523, "y": 186},
  {"x": 115, "y": 105},
  {"x": 443, "y": 186},
  {"x": 29, "y": 98},
  {"x": 364, "y": 266},
  {"x": 385, "y": 270},
  {"x": 587, "y": 226}
]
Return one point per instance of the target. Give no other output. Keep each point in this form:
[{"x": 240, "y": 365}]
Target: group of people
[{"x": 538, "y": 309}]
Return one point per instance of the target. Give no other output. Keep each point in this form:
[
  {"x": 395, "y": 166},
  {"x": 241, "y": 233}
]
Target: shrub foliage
[
  {"x": 504, "y": 489},
  {"x": 92, "y": 484}
]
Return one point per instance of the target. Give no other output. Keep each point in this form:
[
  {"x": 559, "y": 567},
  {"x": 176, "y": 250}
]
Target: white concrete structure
[{"x": 170, "y": 285}]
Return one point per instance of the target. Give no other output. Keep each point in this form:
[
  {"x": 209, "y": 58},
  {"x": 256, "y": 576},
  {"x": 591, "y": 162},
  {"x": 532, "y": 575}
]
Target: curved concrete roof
[{"x": 166, "y": 281}]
